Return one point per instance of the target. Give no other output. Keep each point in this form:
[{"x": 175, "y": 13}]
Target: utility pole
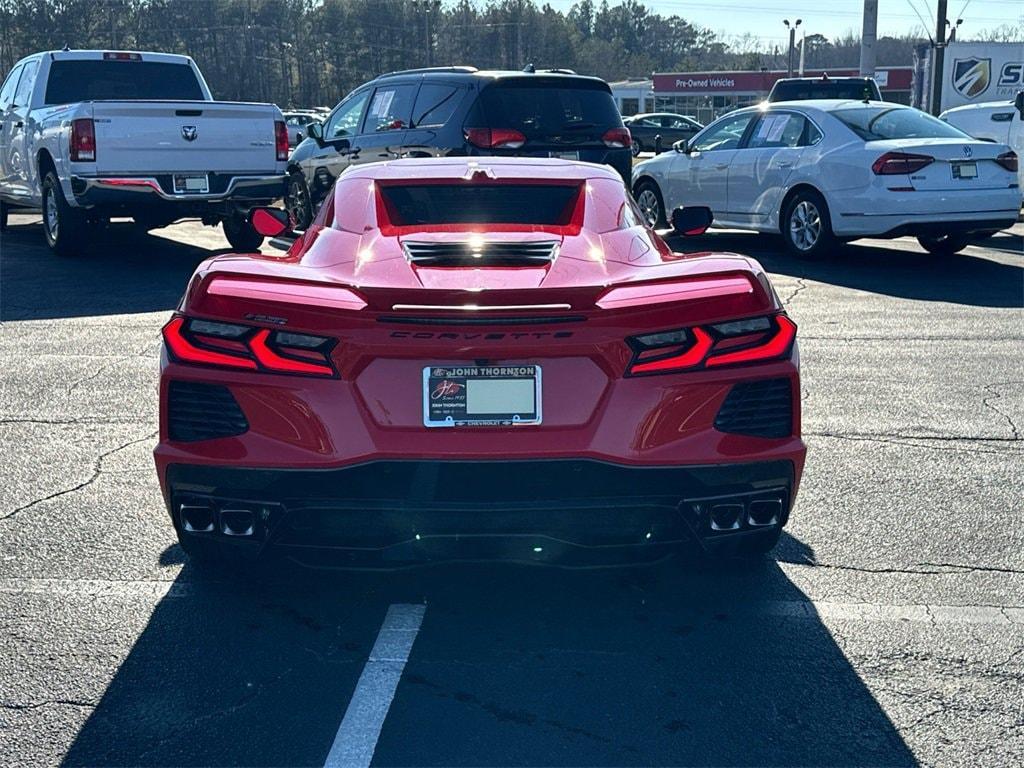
[
  {"x": 938, "y": 58},
  {"x": 803, "y": 48},
  {"x": 792, "y": 43},
  {"x": 868, "y": 36},
  {"x": 427, "y": 7}
]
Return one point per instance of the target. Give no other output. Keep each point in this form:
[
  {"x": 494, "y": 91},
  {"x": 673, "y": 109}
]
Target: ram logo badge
[{"x": 189, "y": 132}]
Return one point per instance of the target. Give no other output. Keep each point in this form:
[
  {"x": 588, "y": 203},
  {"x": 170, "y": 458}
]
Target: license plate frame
[
  {"x": 191, "y": 184},
  {"x": 481, "y": 395},
  {"x": 959, "y": 167},
  {"x": 567, "y": 155}
]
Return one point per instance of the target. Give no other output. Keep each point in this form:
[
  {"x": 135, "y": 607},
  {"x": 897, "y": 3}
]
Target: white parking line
[{"x": 360, "y": 728}]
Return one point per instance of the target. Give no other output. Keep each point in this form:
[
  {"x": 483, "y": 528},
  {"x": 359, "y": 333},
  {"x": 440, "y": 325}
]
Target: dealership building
[{"x": 707, "y": 95}]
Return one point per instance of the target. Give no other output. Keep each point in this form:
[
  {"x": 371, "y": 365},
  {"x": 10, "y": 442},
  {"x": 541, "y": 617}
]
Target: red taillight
[
  {"x": 1009, "y": 161},
  {"x": 183, "y": 349},
  {"x": 83, "y": 140},
  {"x": 900, "y": 162},
  {"x": 617, "y": 138},
  {"x": 273, "y": 361},
  {"x": 495, "y": 138},
  {"x": 281, "y": 139},
  {"x": 226, "y": 345},
  {"x": 733, "y": 343}
]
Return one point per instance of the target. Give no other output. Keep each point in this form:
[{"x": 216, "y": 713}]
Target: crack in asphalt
[
  {"x": 97, "y": 470},
  {"x": 47, "y": 703},
  {"x": 905, "y": 440},
  {"x": 801, "y": 285},
  {"x": 925, "y": 568},
  {"x": 991, "y": 389}
]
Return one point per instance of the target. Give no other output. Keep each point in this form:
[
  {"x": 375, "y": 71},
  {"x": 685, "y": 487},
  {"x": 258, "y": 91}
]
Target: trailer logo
[
  {"x": 189, "y": 132},
  {"x": 972, "y": 76}
]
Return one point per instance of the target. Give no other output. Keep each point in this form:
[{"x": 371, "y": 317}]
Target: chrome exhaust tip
[
  {"x": 764, "y": 512},
  {"x": 196, "y": 518},
  {"x": 726, "y": 517},
  {"x": 237, "y": 522}
]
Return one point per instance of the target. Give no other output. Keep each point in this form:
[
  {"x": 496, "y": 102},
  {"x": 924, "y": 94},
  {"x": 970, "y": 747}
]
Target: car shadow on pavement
[
  {"x": 961, "y": 279},
  {"x": 123, "y": 271},
  {"x": 666, "y": 664}
]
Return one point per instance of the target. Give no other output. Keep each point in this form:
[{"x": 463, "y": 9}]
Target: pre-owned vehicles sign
[{"x": 979, "y": 72}]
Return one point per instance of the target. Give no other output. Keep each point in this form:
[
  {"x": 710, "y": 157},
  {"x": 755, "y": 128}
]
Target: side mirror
[
  {"x": 270, "y": 222},
  {"x": 1018, "y": 102},
  {"x": 315, "y": 131},
  {"x": 691, "y": 219},
  {"x": 682, "y": 147}
]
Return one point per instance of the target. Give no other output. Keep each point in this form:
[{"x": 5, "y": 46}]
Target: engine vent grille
[
  {"x": 202, "y": 412},
  {"x": 485, "y": 254},
  {"x": 758, "y": 408}
]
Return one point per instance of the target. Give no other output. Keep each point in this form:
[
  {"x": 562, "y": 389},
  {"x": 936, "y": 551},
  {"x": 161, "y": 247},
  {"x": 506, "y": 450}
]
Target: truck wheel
[
  {"x": 943, "y": 245},
  {"x": 298, "y": 202},
  {"x": 64, "y": 226},
  {"x": 806, "y": 227},
  {"x": 241, "y": 235}
]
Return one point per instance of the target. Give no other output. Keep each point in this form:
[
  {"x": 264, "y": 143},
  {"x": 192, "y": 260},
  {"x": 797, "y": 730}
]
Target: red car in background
[{"x": 475, "y": 358}]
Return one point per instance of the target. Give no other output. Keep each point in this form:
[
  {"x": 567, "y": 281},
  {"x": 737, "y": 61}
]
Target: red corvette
[{"x": 479, "y": 358}]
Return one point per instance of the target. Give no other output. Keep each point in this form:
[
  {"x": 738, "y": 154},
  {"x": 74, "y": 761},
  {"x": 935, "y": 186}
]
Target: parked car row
[{"x": 822, "y": 171}]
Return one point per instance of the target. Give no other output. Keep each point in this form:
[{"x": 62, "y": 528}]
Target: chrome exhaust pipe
[
  {"x": 196, "y": 518},
  {"x": 764, "y": 512},
  {"x": 237, "y": 522},
  {"x": 726, "y": 517}
]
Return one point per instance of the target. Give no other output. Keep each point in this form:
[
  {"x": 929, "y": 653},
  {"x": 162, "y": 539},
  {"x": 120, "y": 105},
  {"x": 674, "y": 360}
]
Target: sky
[{"x": 832, "y": 18}]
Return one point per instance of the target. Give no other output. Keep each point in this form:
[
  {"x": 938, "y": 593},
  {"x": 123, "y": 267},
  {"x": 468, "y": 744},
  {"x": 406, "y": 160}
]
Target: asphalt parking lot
[{"x": 886, "y": 629}]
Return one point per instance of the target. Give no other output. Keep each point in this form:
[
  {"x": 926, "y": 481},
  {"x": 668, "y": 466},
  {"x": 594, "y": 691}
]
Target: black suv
[
  {"x": 825, "y": 87},
  {"x": 458, "y": 111}
]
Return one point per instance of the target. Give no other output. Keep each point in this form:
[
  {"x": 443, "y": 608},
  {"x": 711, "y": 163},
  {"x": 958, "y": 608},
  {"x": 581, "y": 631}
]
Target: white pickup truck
[
  {"x": 90, "y": 135},
  {"x": 998, "y": 121}
]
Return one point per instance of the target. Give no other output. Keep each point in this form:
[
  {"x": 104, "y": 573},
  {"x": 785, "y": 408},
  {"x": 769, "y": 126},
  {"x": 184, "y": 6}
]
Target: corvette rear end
[{"x": 474, "y": 359}]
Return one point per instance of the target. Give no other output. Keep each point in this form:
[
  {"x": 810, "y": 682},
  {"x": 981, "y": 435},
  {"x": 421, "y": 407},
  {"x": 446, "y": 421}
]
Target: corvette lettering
[{"x": 447, "y": 336}]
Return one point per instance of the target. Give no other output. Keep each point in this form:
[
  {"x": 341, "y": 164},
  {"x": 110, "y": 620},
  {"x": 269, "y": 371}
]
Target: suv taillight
[
  {"x": 281, "y": 139},
  {"x": 495, "y": 138},
  {"x": 1009, "y": 161},
  {"x": 893, "y": 163},
  {"x": 227, "y": 345},
  {"x": 83, "y": 140},
  {"x": 617, "y": 138}
]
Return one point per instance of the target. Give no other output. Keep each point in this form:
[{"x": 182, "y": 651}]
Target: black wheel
[
  {"x": 806, "y": 226},
  {"x": 64, "y": 227},
  {"x": 943, "y": 245},
  {"x": 636, "y": 148},
  {"x": 298, "y": 202},
  {"x": 241, "y": 235},
  {"x": 648, "y": 198}
]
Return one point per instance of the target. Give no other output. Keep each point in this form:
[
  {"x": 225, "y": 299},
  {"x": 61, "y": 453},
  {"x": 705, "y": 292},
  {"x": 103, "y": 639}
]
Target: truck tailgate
[{"x": 149, "y": 137}]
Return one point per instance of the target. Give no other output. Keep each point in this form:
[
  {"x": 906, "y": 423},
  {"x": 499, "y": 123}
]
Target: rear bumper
[
  {"x": 391, "y": 513},
  {"x": 883, "y": 213},
  {"x": 129, "y": 190}
]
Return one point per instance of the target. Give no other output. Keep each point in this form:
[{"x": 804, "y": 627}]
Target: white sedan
[{"x": 827, "y": 170}]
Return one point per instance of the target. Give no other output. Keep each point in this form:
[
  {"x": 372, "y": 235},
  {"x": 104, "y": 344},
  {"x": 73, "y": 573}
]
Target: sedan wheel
[
  {"x": 648, "y": 199},
  {"x": 805, "y": 225},
  {"x": 298, "y": 203}
]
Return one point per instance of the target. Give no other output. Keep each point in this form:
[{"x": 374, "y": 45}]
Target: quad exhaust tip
[
  {"x": 203, "y": 518},
  {"x": 237, "y": 522},
  {"x": 764, "y": 512},
  {"x": 196, "y": 518},
  {"x": 726, "y": 517}
]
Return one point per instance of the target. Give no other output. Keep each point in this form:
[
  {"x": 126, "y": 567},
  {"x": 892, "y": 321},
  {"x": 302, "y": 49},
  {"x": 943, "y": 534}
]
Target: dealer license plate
[
  {"x": 965, "y": 170},
  {"x": 191, "y": 183},
  {"x": 481, "y": 395}
]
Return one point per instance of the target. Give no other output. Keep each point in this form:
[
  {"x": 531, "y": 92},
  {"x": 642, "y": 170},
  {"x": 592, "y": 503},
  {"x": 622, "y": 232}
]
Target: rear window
[
  {"x": 426, "y": 204},
  {"x": 540, "y": 109},
  {"x": 858, "y": 90},
  {"x": 880, "y": 123},
  {"x": 101, "y": 80}
]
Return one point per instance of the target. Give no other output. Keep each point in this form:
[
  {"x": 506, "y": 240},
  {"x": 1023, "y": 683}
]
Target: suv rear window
[
  {"x": 541, "y": 108},
  {"x": 74, "y": 80},
  {"x": 542, "y": 204},
  {"x": 881, "y": 123},
  {"x": 798, "y": 90}
]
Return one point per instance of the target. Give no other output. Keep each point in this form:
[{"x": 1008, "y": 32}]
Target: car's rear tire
[
  {"x": 298, "y": 201},
  {"x": 806, "y": 225},
  {"x": 636, "y": 148},
  {"x": 64, "y": 227},
  {"x": 648, "y": 198},
  {"x": 239, "y": 232},
  {"x": 944, "y": 245}
]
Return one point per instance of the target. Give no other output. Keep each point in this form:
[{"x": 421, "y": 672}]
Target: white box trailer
[{"x": 979, "y": 72}]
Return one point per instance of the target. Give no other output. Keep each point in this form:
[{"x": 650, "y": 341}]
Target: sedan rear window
[
  {"x": 108, "y": 80},
  {"x": 564, "y": 107},
  {"x": 419, "y": 204},
  {"x": 881, "y": 123}
]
